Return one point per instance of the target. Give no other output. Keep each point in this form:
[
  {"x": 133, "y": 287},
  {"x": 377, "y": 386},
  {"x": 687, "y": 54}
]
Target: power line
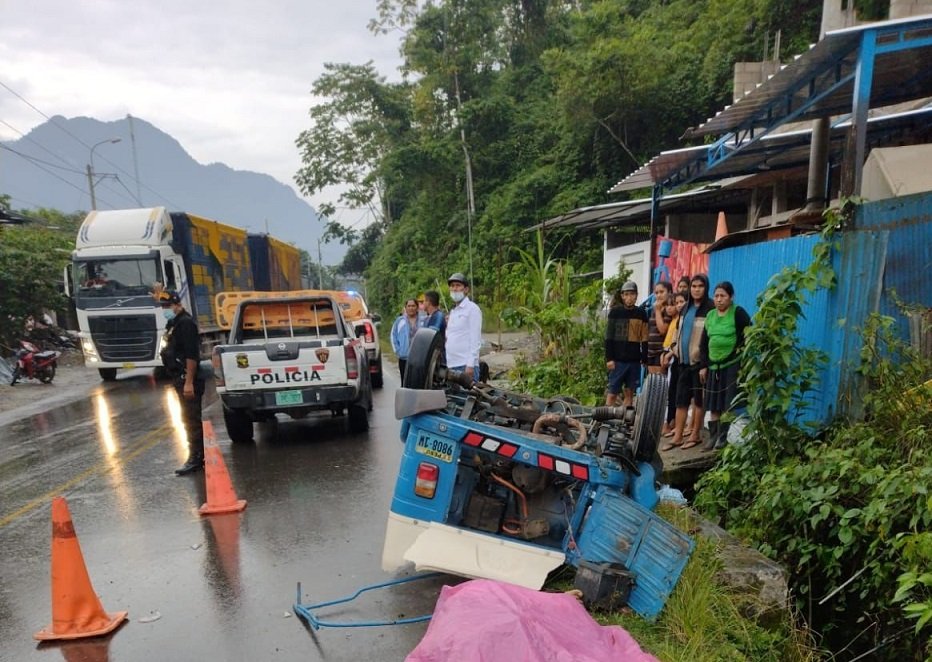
[
  {"x": 38, "y": 160},
  {"x": 53, "y": 174},
  {"x": 37, "y": 144},
  {"x": 88, "y": 147}
]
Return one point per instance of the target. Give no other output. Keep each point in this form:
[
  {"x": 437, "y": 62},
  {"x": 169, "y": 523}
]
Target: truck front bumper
[{"x": 320, "y": 397}]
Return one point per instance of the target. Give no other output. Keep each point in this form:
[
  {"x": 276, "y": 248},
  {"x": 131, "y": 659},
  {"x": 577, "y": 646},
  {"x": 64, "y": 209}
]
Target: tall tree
[{"x": 352, "y": 135}]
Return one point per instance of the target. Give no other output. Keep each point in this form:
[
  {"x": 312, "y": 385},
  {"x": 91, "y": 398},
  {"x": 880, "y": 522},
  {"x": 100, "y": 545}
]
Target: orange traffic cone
[
  {"x": 721, "y": 230},
  {"x": 220, "y": 495},
  {"x": 76, "y": 609}
]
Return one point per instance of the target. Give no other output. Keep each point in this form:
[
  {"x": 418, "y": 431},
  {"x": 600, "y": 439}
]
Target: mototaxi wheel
[
  {"x": 425, "y": 361},
  {"x": 648, "y": 417}
]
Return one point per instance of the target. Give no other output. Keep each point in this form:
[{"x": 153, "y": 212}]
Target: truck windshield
[{"x": 115, "y": 282}]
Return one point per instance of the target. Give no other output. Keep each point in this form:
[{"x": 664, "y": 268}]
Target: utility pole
[
  {"x": 90, "y": 185},
  {"x": 90, "y": 169},
  {"x": 320, "y": 267}
]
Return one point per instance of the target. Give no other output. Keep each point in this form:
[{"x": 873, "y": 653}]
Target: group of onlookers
[
  {"x": 461, "y": 327},
  {"x": 693, "y": 339}
]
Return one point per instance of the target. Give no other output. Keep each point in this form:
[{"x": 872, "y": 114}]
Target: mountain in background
[{"x": 47, "y": 169}]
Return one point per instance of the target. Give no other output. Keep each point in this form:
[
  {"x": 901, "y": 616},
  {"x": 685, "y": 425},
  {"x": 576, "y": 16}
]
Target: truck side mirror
[
  {"x": 375, "y": 317},
  {"x": 66, "y": 284}
]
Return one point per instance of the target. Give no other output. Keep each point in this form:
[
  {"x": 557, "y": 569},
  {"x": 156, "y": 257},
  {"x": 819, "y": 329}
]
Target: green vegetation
[
  {"x": 511, "y": 113},
  {"x": 566, "y": 316},
  {"x": 32, "y": 258},
  {"x": 845, "y": 510}
]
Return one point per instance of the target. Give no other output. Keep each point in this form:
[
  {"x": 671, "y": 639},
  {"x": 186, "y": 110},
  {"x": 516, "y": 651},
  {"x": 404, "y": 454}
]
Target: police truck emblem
[
  {"x": 242, "y": 361},
  {"x": 323, "y": 354}
]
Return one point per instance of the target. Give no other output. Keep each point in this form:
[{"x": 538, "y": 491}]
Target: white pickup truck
[{"x": 288, "y": 353}]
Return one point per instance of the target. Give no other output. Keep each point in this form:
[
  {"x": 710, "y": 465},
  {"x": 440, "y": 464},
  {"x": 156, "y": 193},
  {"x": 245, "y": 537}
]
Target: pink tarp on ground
[{"x": 487, "y": 621}]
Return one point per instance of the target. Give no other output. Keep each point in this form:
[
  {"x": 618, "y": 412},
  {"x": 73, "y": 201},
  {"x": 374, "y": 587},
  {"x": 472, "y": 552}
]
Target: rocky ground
[{"x": 501, "y": 350}]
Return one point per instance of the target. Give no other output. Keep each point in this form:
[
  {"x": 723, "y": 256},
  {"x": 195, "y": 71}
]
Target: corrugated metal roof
[
  {"x": 899, "y": 75},
  {"x": 616, "y": 213},
  {"x": 774, "y": 151}
]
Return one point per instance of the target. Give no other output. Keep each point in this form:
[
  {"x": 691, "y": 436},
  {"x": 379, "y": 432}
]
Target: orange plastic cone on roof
[
  {"x": 721, "y": 229},
  {"x": 221, "y": 498},
  {"x": 76, "y": 609}
]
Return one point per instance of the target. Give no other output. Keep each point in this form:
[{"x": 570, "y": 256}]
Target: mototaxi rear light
[{"x": 425, "y": 484}]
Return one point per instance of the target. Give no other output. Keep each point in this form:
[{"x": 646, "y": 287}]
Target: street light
[{"x": 90, "y": 169}]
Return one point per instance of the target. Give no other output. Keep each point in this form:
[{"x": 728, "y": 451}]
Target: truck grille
[{"x": 124, "y": 339}]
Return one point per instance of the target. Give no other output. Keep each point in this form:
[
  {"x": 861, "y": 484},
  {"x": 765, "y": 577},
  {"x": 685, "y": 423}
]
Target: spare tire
[
  {"x": 425, "y": 361},
  {"x": 648, "y": 417}
]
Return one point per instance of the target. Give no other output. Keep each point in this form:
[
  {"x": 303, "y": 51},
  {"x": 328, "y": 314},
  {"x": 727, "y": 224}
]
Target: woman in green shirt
[{"x": 720, "y": 353}]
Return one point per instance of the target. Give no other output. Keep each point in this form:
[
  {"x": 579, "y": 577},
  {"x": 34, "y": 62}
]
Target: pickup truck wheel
[
  {"x": 377, "y": 375},
  {"x": 425, "y": 359},
  {"x": 358, "y": 417},
  {"x": 648, "y": 417},
  {"x": 107, "y": 374},
  {"x": 238, "y": 424}
]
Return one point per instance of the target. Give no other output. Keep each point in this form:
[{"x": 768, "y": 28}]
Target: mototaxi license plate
[
  {"x": 288, "y": 398},
  {"x": 438, "y": 449}
]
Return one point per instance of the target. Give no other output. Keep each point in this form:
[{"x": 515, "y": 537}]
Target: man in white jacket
[{"x": 464, "y": 329}]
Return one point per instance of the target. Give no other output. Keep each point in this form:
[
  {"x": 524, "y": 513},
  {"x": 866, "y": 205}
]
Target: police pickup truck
[{"x": 288, "y": 353}]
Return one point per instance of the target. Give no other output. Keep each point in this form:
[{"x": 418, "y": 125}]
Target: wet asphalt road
[{"x": 223, "y": 585}]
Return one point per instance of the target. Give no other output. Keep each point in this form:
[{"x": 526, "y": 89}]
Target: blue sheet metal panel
[
  {"x": 750, "y": 268},
  {"x": 618, "y": 530},
  {"x": 859, "y": 265},
  {"x": 908, "y": 268}
]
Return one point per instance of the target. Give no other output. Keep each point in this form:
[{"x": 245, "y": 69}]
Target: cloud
[{"x": 230, "y": 80}]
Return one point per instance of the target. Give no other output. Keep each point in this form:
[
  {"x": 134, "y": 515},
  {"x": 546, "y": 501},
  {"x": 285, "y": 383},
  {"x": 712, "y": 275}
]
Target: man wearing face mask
[
  {"x": 464, "y": 329},
  {"x": 181, "y": 357}
]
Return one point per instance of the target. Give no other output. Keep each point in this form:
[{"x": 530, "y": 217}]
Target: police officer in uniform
[{"x": 181, "y": 357}]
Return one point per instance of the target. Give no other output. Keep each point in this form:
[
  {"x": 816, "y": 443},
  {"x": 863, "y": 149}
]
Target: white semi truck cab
[{"x": 118, "y": 256}]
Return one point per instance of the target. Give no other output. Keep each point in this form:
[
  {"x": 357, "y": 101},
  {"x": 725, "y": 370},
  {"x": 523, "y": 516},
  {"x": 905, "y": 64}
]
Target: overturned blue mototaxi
[{"x": 506, "y": 486}]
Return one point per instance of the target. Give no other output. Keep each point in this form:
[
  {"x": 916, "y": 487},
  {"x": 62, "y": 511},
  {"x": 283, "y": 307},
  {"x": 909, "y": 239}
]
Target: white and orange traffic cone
[
  {"x": 76, "y": 609},
  {"x": 221, "y": 498},
  {"x": 721, "y": 230}
]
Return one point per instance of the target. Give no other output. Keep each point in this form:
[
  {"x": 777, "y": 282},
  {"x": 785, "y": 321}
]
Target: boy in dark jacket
[{"x": 625, "y": 346}]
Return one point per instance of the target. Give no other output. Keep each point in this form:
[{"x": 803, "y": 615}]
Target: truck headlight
[{"x": 90, "y": 352}]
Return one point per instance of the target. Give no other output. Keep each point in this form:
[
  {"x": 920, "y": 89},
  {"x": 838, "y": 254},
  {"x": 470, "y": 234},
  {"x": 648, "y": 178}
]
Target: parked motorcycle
[{"x": 30, "y": 363}]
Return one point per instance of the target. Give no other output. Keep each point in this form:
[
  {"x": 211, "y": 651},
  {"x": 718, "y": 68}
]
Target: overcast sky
[{"x": 230, "y": 80}]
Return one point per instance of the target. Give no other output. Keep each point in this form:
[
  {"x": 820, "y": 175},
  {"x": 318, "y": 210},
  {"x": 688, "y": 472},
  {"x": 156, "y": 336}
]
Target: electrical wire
[
  {"x": 37, "y": 144},
  {"x": 66, "y": 131},
  {"x": 53, "y": 174},
  {"x": 38, "y": 160}
]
